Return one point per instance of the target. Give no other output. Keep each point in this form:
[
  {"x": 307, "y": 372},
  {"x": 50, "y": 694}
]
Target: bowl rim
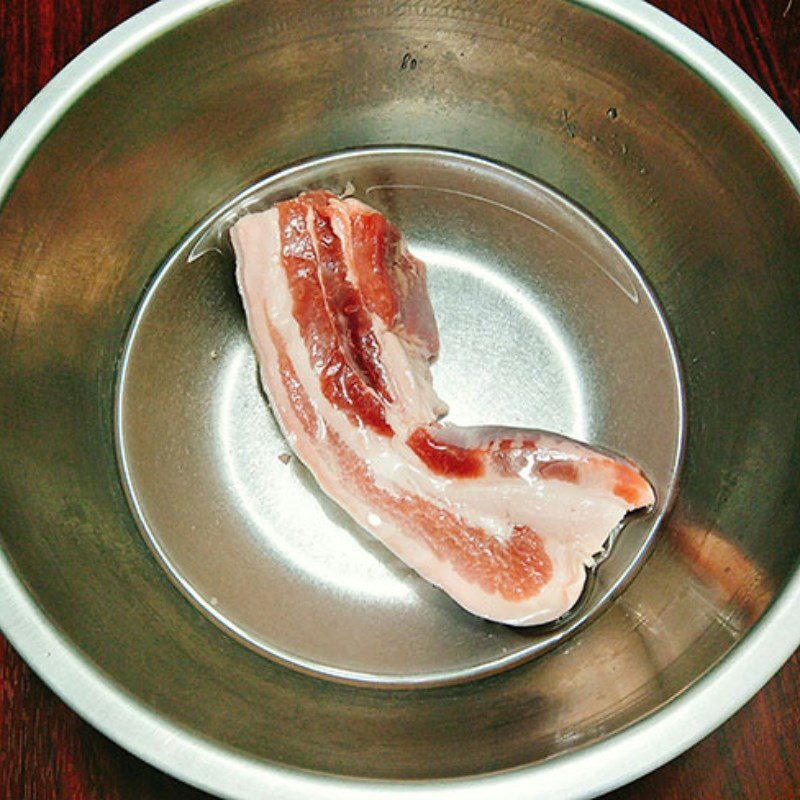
[{"x": 586, "y": 772}]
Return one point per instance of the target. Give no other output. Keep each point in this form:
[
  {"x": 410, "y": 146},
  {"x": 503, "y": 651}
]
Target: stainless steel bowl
[{"x": 610, "y": 193}]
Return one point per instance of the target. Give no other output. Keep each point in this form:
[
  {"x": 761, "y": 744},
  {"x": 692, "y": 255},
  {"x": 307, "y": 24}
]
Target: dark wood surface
[{"x": 48, "y": 752}]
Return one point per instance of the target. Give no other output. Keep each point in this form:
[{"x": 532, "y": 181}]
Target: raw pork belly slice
[{"x": 503, "y": 520}]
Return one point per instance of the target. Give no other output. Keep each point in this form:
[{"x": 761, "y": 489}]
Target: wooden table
[{"x": 47, "y": 751}]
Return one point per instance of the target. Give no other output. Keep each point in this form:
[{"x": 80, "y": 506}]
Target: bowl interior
[
  {"x": 545, "y": 322},
  {"x": 674, "y": 174}
]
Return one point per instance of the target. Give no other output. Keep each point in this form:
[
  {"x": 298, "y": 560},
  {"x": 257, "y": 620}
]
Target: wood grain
[{"x": 47, "y": 752}]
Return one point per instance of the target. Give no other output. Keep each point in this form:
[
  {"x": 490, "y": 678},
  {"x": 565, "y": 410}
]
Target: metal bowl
[{"x": 610, "y": 211}]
